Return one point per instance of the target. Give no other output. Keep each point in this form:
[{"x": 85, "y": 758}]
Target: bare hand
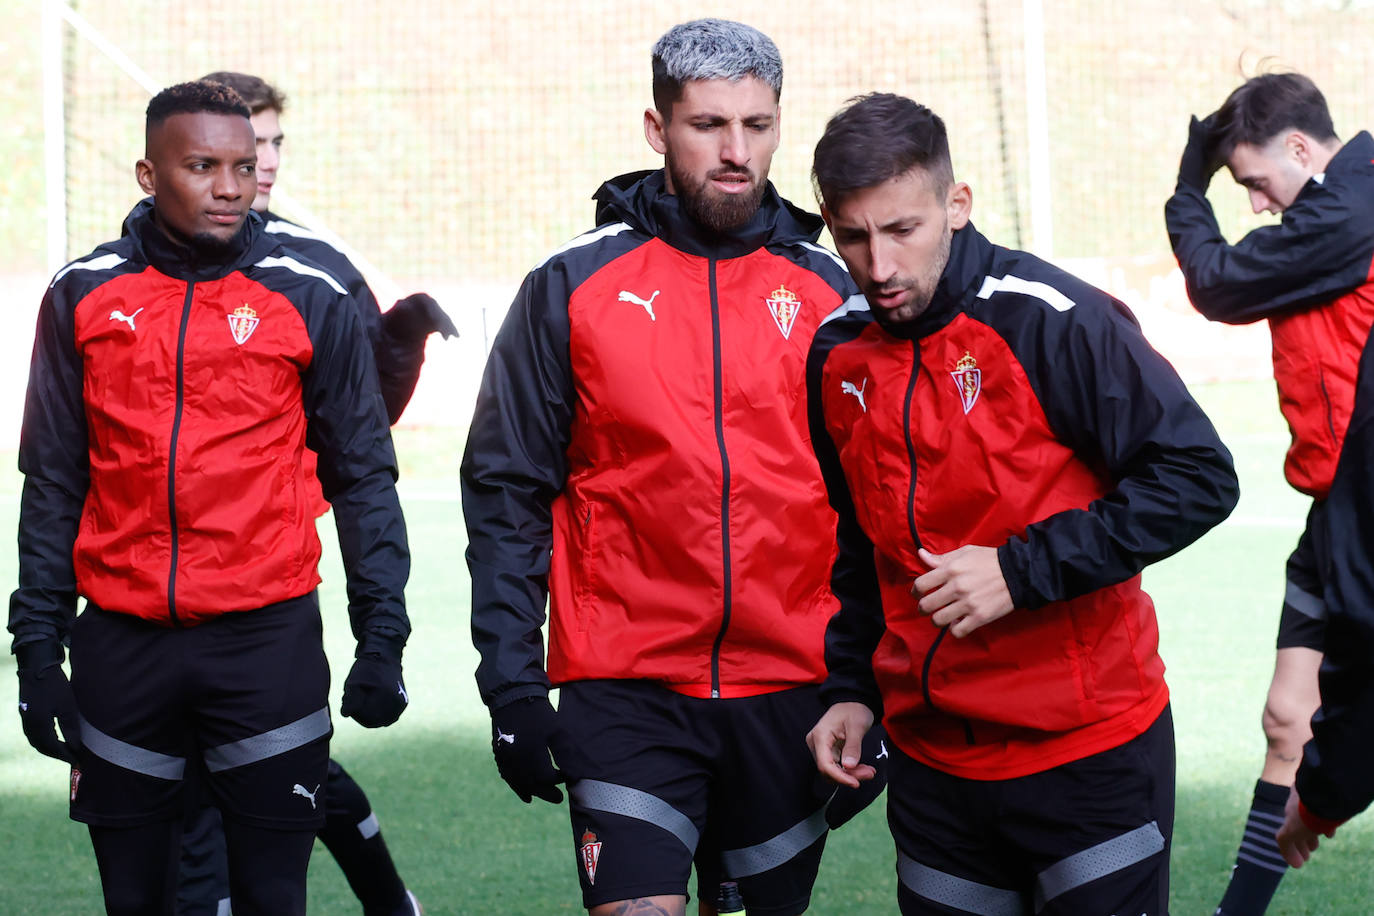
[
  {"x": 837, "y": 741},
  {"x": 963, "y": 590},
  {"x": 1297, "y": 841}
]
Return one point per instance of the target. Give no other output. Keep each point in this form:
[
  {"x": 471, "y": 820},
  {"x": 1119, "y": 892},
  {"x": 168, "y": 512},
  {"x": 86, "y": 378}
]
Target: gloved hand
[
  {"x": 1197, "y": 166},
  {"x": 416, "y": 317},
  {"x": 46, "y": 694},
  {"x": 374, "y": 693},
  {"x": 520, "y": 734}
]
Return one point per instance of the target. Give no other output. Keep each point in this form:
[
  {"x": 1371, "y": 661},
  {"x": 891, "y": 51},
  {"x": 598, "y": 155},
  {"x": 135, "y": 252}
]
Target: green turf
[{"x": 466, "y": 845}]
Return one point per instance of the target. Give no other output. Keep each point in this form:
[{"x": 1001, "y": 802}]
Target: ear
[
  {"x": 1299, "y": 147},
  {"x": 829, "y": 220},
  {"x": 655, "y": 130},
  {"x": 143, "y": 171},
  {"x": 959, "y": 204}
]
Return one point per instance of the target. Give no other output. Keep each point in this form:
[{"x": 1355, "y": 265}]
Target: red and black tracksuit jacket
[
  {"x": 171, "y": 399},
  {"x": 1024, "y": 411},
  {"x": 640, "y": 455},
  {"x": 1312, "y": 278}
]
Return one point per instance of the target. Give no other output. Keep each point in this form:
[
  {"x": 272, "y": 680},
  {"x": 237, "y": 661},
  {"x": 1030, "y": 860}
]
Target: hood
[
  {"x": 642, "y": 200},
  {"x": 174, "y": 259}
]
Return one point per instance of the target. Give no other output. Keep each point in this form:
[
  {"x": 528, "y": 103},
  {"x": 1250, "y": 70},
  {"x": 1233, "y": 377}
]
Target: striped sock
[{"x": 1259, "y": 866}]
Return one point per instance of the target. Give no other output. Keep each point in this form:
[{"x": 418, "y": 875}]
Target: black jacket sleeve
[
  {"x": 54, "y": 460},
  {"x": 1335, "y": 780},
  {"x": 347, "y": 427},
  {"x": 1121, "y": 407},
  {"x": 514, "y": 466},
  {"x": 853, "y": 633},
  {"x": 1320, "y": 250}
]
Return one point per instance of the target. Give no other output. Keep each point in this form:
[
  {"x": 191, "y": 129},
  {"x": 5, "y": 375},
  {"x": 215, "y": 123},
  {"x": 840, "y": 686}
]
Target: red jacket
[
  {"x": 169, "y": 408},
  {"x": 1025, "y": 412},
  {"x": 640, "y": 448},
  {"x": 1312, "y": 277}
]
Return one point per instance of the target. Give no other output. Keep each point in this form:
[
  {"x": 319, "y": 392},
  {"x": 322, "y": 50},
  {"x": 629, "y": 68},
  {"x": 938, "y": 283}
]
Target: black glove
[
  {"x": 374, "y": 693},
  {"x": 46, "y": 694},
  {"x": 520, "y": 734},
  {"x": 847, "y": 802},
  {"x": 416, "y": 317},
  {"x": 1197, "y": 166}
]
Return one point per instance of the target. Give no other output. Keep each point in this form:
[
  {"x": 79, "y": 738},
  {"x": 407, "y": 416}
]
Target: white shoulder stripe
[
  {"x": 587, "y": 238},
  {"x": 1011, "y": 284},
  {"x": 855, "y": 303},
  {"x": 104, "y": 262},
  {"x": 828, "y": 253},
  {"x": 282, "y": 227},
  {"x": 293, "y": 265}
]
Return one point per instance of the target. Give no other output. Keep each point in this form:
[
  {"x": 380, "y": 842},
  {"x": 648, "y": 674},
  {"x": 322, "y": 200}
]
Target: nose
[
  {"x": 268, "y": 158},
  {"x": 734, "y": 148},
  {"x": 227, "y": 184},
  {"x": 882, "y": 266},
  {"x": 1259, "y": 201}
]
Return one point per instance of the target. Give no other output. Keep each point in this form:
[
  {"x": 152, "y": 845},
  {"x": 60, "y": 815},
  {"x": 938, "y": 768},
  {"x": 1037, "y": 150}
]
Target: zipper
[
  {"x": 915, "y": 536},
  {"x": 172, "y": 452},
  {"x": 719, "y": 384}
]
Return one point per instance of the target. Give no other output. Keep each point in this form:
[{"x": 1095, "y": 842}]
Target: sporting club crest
[
  {"x": 784, "y": 306},
  {"x": 76, "y": 781},
  {"x": 242, "y": 323},
  {"x": 590, "y": 853},
  {"x": 968, "y": 378}
]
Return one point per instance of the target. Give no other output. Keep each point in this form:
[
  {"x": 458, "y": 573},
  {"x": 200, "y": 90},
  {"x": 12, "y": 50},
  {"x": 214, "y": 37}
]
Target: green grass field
[{"x": 466, "y": 845}]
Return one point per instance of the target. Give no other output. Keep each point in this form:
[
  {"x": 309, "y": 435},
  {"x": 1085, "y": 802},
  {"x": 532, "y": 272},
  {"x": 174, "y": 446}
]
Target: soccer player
[
  {"x": 1310, "y": 277},
  {"x": 639, "y": 459},
  {"x": 178, "y": 375},
  {"x": 1006, "y": 453},
  {"x": 351, "y": 833},
  {"x": 1333, "y": 781}
]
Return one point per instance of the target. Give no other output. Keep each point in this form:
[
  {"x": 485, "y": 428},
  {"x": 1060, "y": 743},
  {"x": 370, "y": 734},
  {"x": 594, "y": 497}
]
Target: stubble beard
[{"x": 922, "y": 291}]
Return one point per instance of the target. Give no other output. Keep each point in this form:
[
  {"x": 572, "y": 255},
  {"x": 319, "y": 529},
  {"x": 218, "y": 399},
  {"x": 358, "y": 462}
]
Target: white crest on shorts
[
  {"x": 301, "y": 790},
  {"x": 590, "y": 854}
]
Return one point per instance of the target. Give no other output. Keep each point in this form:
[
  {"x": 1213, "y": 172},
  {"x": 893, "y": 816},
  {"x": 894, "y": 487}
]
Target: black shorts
[
  {"x": 656, "y": 779},
  {"x": 242, "y": 698},
  {"x": 1087, "y": 837},
  {"x": 1303, "y": 620}
]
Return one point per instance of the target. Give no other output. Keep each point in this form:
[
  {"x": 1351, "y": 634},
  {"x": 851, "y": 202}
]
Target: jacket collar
[
  {"x": 1355, "y": 153},
  {"x": 183, "y": 262},
  {"x": 642, "y": 200}
]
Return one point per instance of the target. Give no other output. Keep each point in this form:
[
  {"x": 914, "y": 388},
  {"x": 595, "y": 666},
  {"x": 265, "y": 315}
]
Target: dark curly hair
[{"x": 192, "y": 98}]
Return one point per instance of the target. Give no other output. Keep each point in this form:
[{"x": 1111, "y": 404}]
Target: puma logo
[
  {"x": 857, "y": 391},
  {"x": 401, "y": 689},
  {"x": 882, "y": 750},
  {"x": 300, "y": 790},
  {"x": 502, "y": 736},
  {"x": 117, "y": 315},
  {"x": 627, "y": 296}
]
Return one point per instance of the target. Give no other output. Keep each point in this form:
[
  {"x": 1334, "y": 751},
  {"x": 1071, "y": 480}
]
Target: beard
[
  {"x": 901, "y": 320},
  {"x": 712, "y": 209}
]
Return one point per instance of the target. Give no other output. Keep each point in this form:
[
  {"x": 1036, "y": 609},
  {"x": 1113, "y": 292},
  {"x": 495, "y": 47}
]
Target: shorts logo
[
  {"x": 76, "y": 781},
  {"x": 590, "y": 854},
  {"x": 242, "y": 323},
  {"x": 784, "y": 306},
  {"x": 968, "y": 379},
  {"x": 302, "y": 791}
]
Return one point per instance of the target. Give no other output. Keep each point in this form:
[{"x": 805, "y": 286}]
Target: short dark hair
[
  {"x": 1263, "y": 107},
  {"x": 259, "y": 94},
  {"x": 706, "y": 49},
  {"x": 193, "y": 98},
  {"x": 876, "y": 137}
]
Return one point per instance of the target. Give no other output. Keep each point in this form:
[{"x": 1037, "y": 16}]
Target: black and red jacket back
[
  {"x": 639, "y": 453},
  {"x": 1312, "y": 277},
  {"x": 170, "y": 404},
  {"x": 1024, "y": 411}
]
